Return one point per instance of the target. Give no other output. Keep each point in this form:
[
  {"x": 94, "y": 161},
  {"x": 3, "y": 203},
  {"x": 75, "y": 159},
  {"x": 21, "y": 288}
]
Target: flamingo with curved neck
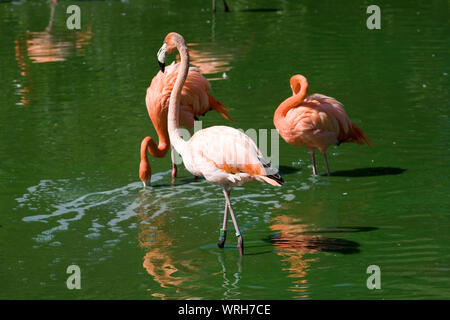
[
  {"x": 315, "y": 121},
  {"x": 195, "y": 100},
  {"x": 211, "y": 152}
]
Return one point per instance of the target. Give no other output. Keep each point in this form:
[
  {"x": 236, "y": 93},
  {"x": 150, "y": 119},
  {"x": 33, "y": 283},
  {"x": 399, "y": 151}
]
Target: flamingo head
[
  {"x": 145, "y": 173},
  {"x": 170, "y": 44}
]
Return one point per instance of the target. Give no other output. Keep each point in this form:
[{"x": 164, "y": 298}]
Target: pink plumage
[
  {"x": 223, "y": 155},
  {"x": 315, "y": 121},
  {"x": 195, "y": 101}
]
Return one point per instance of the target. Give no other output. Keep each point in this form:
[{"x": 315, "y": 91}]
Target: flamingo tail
[
  {"x": 219, "y": 107},
  {"x": 275, "y": 180},
  {"x": 358, "y": 136}
]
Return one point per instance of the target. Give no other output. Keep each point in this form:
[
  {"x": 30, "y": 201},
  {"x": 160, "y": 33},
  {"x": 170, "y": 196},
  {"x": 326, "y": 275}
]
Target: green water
[{"x": 73, "y": 116}]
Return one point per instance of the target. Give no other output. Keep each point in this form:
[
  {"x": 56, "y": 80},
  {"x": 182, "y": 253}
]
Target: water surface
[{"x": 73, "y": 116}]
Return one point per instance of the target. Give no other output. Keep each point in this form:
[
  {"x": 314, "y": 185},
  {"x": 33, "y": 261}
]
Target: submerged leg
[
  {"x": 326, "y": 163},
  {"x": 240, "y": 245},
  {"x": 223, "y": 231},
  {"x": 313, "y": 159},
  {"x": 174, "y": 166}
]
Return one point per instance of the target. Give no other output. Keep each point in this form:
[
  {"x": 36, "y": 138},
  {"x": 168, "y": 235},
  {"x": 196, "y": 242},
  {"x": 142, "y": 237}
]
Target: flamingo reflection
[
  {"x": 159, "y": 261},
  {"x": 292, "y": 246},
  {"x": 231, "y": 286},
  {"x": 295, "y": 242},
  {"x": 209, "y": 62},
  {"x": 43, "y": 47}
]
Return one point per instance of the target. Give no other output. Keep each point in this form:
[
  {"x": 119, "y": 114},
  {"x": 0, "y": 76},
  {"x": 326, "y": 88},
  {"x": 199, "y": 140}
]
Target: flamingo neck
[
  {"x": 157, "y": 151},
  {"x": 297, "y": 82},
  {"x": 174, "y": 103},
  {"x": 144, "y": 145}
]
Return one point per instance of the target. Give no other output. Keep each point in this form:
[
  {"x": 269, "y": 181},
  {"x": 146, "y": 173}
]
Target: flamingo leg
[
  {"x": 225, "y": 4},
  {"x": 240, "y": 245},
  {"x": 223, "y": 231},
  {"x": 326, "y": 163},
  {"x": 313, "y": 158},
  {"x": 174, "y": 166}
]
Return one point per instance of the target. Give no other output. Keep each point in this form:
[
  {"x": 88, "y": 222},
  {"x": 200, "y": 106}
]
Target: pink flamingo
[
  {"x": 315, "y": 121},
  {"x": 223, "y": 155},
  {"x": 195, "y": 101}
]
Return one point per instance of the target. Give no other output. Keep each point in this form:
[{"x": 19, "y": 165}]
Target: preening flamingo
[
  {"x": 315, "y": 121},
  {"x": 195, "y": 101},
  {"x": 223, "y": 155}
]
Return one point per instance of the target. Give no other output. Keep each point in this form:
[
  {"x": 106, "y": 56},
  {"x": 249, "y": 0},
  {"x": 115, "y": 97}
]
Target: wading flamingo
[
  {"x": 314, "y": 121},
  {"x": 223, "y": 155},
  {"x": 195, "y": 101}
]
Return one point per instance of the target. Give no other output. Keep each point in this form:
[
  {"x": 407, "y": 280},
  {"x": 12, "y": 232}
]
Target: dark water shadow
[
  {"x": 260, "y": 10},
  {"x": 306, "y": 244},
  {"x": 341, "y": 230},
  {"x": 314, "y": 244},
  {"x": 311, "y": 241},
  {"x": 367, "y": 172},
  {"x": 285, "y": 170}
]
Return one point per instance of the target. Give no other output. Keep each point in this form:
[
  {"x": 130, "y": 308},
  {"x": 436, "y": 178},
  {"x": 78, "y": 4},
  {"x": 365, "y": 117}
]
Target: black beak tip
[{"x": 162, "y": 66}]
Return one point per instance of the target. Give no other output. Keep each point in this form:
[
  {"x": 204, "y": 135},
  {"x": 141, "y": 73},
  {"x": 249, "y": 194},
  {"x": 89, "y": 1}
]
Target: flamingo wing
[
  {"x": 195, "y": 97},
  {"x": 226, "y": 156},
  {"x": 321, "y": 121},
  {"x": 344, "y": 128}
]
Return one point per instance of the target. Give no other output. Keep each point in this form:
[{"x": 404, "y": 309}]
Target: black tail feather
[
  {"x": 277, "y": 178},
  {"x": 272, "y": 173}
]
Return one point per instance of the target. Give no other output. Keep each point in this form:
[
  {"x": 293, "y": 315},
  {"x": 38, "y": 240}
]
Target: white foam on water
[{"x": 112, "y": 210}]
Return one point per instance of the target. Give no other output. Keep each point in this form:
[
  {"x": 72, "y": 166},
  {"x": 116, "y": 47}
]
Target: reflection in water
[
  {"x": 292, "y": 247},
  {"x": 65, "y": 206},
  {"x": 162, "y": 212},
  {"x": 232, "y": 290},
  {"x": 42, "y": 47},
  {"x": 293, "y": 241},
  {"x": 209, "y": 61},
  {"x": 159, "y": 261},
  {"x": 161, "y": 215}
]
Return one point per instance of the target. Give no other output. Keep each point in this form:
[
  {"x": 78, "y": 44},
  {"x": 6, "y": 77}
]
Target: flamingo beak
[
  {"x": 162, "y": 66},
  {"x": 162, "y": 57}
]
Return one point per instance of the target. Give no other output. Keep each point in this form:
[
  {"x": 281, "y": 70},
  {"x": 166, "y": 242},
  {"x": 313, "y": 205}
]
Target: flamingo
[
  {"x": 195, "y": 101},
  {"x": 224, "y": 156},
  {"x": 315, "y": 121}
]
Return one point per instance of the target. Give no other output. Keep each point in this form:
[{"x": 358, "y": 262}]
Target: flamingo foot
[
  {"x": 240, "y": 245},
  {"x": 174, "y": 171},
  {"x": 222, "y": 238}
]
